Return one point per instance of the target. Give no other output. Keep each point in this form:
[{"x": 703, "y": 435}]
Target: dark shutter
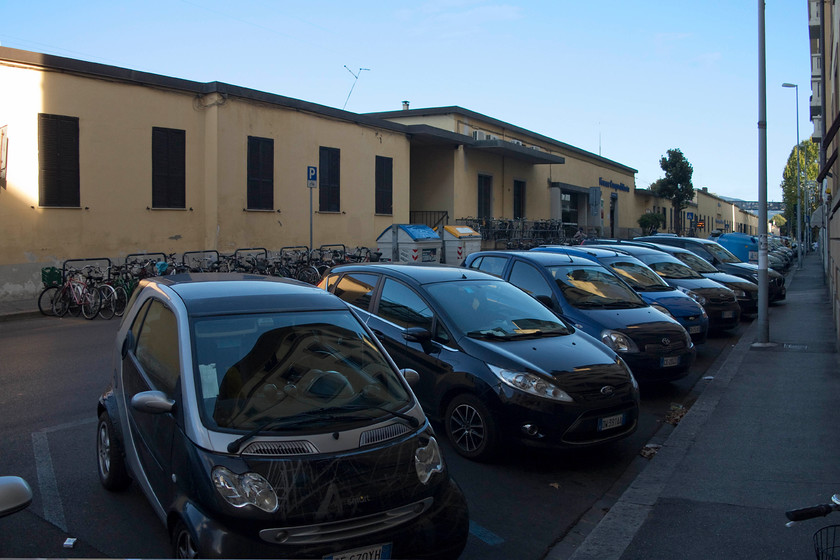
[
  {"x": 485, "y": 196},
  {"x": 260, "y": 173},
  {"x": 518, "y": 200},
  {"x": 169, "y": 160},
  {"x": 384, "y": 203},
  {"x": 329, "y": 184},
  {"x": 58, "y": 161}
]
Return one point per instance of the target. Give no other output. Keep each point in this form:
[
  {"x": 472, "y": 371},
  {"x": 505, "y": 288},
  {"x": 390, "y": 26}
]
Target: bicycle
[
  {"x": 51, "y": 278},
  {"x": 77, "y": 295},
  {"x": 826, "y": 539}
]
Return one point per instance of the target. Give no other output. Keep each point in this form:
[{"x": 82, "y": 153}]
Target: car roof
[
  {"x": 229, "y": 293},
  {"x": 655, "y": 239},
  {"x": 634, "y": 248},
  {"x": 544, "y": 258},
  {"x": 420, "y": 273},
  {"x": 597, "y": 252}
]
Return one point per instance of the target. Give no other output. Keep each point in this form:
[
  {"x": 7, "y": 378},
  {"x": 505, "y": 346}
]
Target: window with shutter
[
  {"x": 329, "y": 183},
  {"x": 384, "y": 203},
  {"x": 485, "y": 196},
  {"x": 169, "y": 155},
  {"x": 260, "y": 173},
  {"x": 58, "y": 161}
]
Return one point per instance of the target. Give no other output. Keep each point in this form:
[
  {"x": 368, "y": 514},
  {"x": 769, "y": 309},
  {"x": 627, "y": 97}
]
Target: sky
[{"x": 627, "y": 80}]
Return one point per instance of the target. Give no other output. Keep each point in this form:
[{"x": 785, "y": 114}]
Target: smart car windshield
[
  {"x": 495, "y": 309},
  {"x": 255, "y": 370},
  {"x": 594, "y": 286}
]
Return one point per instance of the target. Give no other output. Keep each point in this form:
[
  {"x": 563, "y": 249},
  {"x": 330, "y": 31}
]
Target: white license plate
[
  {"x": 728, "y": 314},
  {"x": 610, "y": 422},
  {"x": 376, "y": 552},
  {"x": 672, "y": 361},
  {"x": 696, "y": 329}
]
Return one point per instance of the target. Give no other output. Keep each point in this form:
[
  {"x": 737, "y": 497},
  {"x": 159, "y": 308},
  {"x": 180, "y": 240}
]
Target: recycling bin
[{"x": 415, "y": 243}]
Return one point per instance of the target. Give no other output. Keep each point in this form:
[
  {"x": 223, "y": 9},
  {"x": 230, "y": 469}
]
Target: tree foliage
[
  {"x": 651, "y": 221},
  {"x": 676, "y": 185},
  {"x": 809, "y": 163}
]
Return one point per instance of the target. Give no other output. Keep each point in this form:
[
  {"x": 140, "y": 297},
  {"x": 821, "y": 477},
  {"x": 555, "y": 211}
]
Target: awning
[
  {"x": 509, "y": 149},
  {"x": 817, "y": 216}
]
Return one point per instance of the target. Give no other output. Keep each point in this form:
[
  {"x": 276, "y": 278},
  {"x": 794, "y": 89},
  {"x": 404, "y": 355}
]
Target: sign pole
[{"x": 311, "y": 183}]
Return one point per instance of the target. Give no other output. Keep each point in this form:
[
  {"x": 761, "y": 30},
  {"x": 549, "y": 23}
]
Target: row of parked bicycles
[{"x": 95, "y": 287}]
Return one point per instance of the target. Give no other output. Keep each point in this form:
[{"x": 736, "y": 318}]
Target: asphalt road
[{"x": 53, "y": 370}]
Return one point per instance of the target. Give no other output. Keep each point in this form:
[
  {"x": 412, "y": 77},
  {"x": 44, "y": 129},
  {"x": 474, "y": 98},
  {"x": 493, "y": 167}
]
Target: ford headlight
[
  {"x": 632, "y": 377},
  {"x": 739, "y": 293},
  {"x": 240, "y": 490},
  {"x": 531, "y": 383},
  {"x": 428, "y": 461},
  {"x": 618, "y": 341},
  {"x": 693, "y": 295}
]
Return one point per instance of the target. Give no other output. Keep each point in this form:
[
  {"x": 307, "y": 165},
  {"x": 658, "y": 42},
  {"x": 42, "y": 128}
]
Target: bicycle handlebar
[{"x": 810, "y": 512}]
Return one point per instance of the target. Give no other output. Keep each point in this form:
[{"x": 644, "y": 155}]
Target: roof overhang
[{"x": 509, "y": 149}]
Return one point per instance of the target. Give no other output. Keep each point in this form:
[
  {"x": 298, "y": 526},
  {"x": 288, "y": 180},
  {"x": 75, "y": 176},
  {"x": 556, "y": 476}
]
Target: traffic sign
[{"x": 311, "y": 176}]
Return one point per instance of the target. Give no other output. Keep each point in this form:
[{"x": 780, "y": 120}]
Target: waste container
[
  {"x": 458, "y": 242},
  {"x": 415, "y": 243}
]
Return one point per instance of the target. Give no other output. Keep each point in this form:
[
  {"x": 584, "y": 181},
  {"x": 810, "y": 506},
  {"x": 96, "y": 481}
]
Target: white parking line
[{"x": 47, "y": 483}]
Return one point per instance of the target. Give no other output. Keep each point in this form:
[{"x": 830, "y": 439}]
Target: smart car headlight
[
  {"x": 240, "y": 490},
  {"x": 618, "y": 341},
  {"x": 428, "y": 460},
  {"x": 531, "y": 383}
]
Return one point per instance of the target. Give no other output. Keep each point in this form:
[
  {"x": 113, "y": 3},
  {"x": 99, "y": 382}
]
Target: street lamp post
[{"x": 798, "y": 185}]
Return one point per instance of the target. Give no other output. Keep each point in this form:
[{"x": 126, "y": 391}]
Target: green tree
[
  {"x": 676, "y": 185},
  {"x": 809, "y": 163},
  {"x": 650, "y": 221}
]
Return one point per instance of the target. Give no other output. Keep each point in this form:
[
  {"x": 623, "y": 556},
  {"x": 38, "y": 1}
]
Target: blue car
[
  {"x": 596, "y": 301},
  {"x": 648, "y": 284}
]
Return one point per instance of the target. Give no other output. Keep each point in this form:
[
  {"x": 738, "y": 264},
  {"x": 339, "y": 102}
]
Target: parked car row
[{"x": 265, "y": 417}]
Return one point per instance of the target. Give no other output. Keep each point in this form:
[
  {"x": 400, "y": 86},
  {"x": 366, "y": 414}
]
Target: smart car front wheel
[{"x": 183, "y": 545}]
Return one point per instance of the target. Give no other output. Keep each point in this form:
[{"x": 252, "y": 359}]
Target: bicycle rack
[
  {"x": 93, "y": 259},
  {"x": 205, "y": 259},
  {"x": 296, "y": 248},
  {"x": 250, "y": 251},
  {"x": 135, "y": 258},
  {"x": 335, "y": 247}
]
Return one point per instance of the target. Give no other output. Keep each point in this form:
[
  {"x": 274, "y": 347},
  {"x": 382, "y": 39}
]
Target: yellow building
[{"x": 99, "y": 161}]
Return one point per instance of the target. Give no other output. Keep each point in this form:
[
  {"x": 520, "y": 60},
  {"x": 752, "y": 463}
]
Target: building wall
[{"x": 115, "y": 217}]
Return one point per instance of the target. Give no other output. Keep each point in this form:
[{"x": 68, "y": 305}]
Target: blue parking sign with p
[{"x": 311, "y": 176}]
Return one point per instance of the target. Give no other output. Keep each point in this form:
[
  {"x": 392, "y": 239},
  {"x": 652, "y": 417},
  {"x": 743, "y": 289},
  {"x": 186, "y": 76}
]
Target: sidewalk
[
  {"x": 16, "y": 309},
  {"x": 761, "y": 438}
]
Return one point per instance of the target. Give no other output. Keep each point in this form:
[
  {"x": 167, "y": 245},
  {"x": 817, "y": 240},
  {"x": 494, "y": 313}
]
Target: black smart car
[
  {"x": 495, "y": 365},
  {"x": 262, "y": 419}
]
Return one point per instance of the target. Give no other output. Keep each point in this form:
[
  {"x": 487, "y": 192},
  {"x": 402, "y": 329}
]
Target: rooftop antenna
[{"x": 356, "y": 75}]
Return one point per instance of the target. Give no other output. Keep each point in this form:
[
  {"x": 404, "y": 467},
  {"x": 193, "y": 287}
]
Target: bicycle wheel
[
  {"x": 61, "y": 303},
  {"x": 45, "y": 300},
  {"x": 121, "y": 301},
  {"x": 107, "y": 301},
  {"x": 309, "y": 274},
  {"x": 91, "y": 301}
]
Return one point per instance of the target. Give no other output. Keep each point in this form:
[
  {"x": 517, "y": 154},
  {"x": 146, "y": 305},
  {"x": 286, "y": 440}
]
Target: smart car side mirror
[
  {"x": 127, "y": 344},
  {"x": 152, "y": 402},
  {"x": 411, "y": 376},
  {"x": 15, "y": 495}
]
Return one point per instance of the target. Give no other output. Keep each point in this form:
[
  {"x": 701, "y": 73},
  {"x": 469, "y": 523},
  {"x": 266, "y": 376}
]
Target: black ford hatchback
[
  {"x": 262, "y": 419},
  {"x": 495, "y": 365}
]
